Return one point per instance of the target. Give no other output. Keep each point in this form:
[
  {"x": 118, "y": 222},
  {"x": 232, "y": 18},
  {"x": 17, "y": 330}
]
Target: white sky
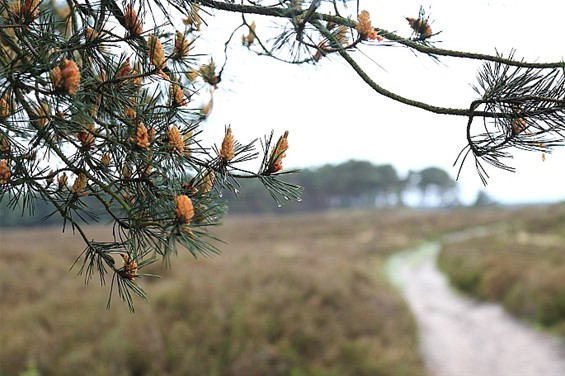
[{"x": 332, "y": 116}]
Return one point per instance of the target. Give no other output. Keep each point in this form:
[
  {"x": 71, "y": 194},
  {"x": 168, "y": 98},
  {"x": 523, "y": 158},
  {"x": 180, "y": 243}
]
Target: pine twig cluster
[
  {"x": 99, "y": 116},
  {"x": 528, "y": 107}
]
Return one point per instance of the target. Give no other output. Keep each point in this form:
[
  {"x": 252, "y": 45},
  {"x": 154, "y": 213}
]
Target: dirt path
[{"x": 461, "y": 337}]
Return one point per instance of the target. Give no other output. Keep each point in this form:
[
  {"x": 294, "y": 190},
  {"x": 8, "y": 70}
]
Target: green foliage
[
  {"x": 530, "y": 105},
  {"x": 98, "y": 111}
]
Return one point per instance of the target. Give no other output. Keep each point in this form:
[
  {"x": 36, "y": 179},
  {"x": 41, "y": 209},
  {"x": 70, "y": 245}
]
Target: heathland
[{"x": 290, "y": 295}]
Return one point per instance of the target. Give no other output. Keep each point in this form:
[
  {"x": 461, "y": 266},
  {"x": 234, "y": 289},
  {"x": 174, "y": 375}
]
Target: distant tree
[
  {"x": 483, "y": 200},
  {"x": 316, "y": 196},
  {"x": 99, "y": 98},
  {"x": 435, "y": 182},
  {"x": 354, "y": 184},
  {"x": 390, "y": 187},
  {"x": 346, "y": 185}
]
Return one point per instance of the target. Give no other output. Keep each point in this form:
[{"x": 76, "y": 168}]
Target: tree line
[
  {"x": 354, "y": 184},
  {"x": 351, "y": 184}
]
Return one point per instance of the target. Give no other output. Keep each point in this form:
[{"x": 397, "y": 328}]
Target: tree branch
[{"x": 289, "y": 13}]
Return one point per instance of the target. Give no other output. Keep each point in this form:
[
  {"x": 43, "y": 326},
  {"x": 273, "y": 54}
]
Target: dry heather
[
  {"x": 291, "y": 295},
  {"x": 523, "y": 267}
]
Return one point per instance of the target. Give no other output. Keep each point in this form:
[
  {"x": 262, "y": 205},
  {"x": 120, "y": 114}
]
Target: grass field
[{"x": 290, "y": 295}]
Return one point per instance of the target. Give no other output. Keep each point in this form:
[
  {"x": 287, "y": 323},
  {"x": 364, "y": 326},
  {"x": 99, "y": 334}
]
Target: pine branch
[{"x": 289, "y": 13}]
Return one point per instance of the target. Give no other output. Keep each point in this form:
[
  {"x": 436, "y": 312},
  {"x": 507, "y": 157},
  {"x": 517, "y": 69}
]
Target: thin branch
[
  {"x": 289, "y": 13},
  {"x": 389, "y": 94},
  {"x": 467, "y": 55},
  {"x": 425, "y": 106}
]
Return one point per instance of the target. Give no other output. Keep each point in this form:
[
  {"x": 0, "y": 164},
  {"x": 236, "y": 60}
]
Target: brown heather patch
[
  {"x": 522, "y": 268},
  {"x": 291, "y": 295}
]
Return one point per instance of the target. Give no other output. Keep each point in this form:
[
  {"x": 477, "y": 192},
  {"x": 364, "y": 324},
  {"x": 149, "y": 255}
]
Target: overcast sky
[{"x": 332, "y": 116}]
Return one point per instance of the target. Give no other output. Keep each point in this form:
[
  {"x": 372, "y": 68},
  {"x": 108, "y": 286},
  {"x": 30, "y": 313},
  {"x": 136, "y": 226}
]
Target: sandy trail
[{"x": 461, "y": 337}]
